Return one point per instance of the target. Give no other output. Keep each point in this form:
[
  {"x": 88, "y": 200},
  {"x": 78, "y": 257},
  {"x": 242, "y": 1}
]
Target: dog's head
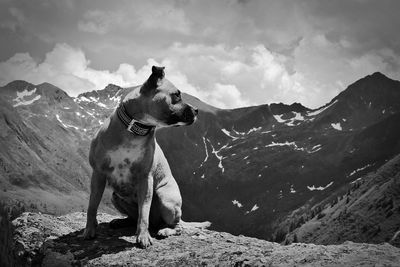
[{"x": 162, "y": 103}]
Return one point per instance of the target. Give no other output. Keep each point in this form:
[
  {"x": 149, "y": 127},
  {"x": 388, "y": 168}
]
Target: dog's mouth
[
  {"x": 187, "y": 117},
  {"x": 184, "y": 123}
]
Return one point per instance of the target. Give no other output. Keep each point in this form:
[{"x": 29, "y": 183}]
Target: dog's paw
[
  {"x": 166, "y": 232},
  {"x": 89, "y": 233},
  {"x": 144, "y": 239}
]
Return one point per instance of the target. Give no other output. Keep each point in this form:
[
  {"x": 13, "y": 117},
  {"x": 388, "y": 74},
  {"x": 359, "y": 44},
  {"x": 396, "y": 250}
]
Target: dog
[{"x": 125, "y": 154}]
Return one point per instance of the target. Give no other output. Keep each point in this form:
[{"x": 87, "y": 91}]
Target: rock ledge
[{"x": 55, "y": 241}]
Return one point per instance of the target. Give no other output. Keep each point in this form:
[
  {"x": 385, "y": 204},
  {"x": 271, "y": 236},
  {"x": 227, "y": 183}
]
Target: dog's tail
[{"x": 198, "y": 225}]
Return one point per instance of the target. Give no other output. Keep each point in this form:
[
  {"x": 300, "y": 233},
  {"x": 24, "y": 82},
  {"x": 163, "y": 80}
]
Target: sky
[{"x": 228, "y": 53}]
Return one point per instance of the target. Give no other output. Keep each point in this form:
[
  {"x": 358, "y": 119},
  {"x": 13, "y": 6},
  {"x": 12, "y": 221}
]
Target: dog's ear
[
  {"x": 158, "y": 71},
  {"x": 155, "y": 79}
]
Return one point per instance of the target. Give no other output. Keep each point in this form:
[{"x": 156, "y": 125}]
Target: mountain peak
[
  {"x": 51, "y": 91},
  {"x": 373, "y": 78},
  {"x": 18, "y": 85},
  {"x": 378, "y": 75},
  {"x": 281, "y": 108},
  {"x": 113, "y": 87},
  {"x": 376, "y": 85}
]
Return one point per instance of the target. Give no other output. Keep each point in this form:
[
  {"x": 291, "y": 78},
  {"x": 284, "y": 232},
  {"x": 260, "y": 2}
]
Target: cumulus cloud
[
  {"x": 257, "y": 73},
  {"x": 223, "y": 76},
  {"x": 65, "y": 67},
  {"x": 227, "y": 96}
]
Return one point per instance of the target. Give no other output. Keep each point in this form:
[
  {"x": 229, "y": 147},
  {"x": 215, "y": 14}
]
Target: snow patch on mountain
[
  {"x": 206, "y": 149},
  {"x": 255, "y": 129},
  {"x": 292, "y": 191},
  {"x": 292, "y": 121},
  {"x": 287, "y": 143},
  {"x": 101, "y": 105},
  {"x": 21, "y": 95},
  {"x": 336, "y": 126},
  {"x": 315, "y": 148},
  {"x": 27, "y": 102},
  {"x": 237, "y": 203},
  {"x": 81, "y": 98},
  {"x": 356, "y": 180},
  {"x": 319, "y": 188},
  {"x": 295, "y": 146},
  {"x": 216, "y": 153},
  {"x": 359, "y": 169},
  {"x": 279, "y": 119},
  {"x": 116, "y": 98},
  {"x": 64, "y": 124},
  {"x": 228, "y": 133},
  {"x": 20, "y": 99},
  {"x": 320, "y": 110},
  {"x": 254, "y": 208}
]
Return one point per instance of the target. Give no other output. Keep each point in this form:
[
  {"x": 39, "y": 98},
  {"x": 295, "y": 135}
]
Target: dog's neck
[{"x": 133, "y": 125}]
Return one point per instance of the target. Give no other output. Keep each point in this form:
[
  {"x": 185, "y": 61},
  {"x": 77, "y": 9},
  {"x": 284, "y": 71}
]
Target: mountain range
[{"x": 253, "y": 171}]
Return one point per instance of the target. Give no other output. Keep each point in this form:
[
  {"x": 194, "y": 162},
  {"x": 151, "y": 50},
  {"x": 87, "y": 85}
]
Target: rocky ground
[{"x": 55, "y": 241}]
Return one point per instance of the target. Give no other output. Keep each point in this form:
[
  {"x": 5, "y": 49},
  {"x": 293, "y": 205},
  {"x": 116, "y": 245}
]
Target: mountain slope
[
  {"x": 368, "y": 212},
  {"x": 44, "y": 155}
]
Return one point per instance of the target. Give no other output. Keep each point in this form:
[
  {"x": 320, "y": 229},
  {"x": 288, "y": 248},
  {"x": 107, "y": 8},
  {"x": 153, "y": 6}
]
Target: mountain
[
  {"x": 367, "y": 210},
  {"x": 45, "y": 142},
  {"x": 244, "y": 169},
  {"x": 45, "y": 240},
  {"x": 363, "y": 103}
]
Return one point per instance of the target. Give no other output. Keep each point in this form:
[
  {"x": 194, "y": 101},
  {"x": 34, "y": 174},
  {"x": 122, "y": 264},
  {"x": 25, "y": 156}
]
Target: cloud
[
  {"x": 226, "y": 96},
  {"x": 65, "y": 67},
  {"x": 146, "y": 17},
  {"x": 270, "y": 51},
  {"x": 17, "y": 19},
  {"x": 222, "y": 76},
  {"x": 99, "y": 22},
  {"x": 161, "y": 16},
  {"x": 257, "y": 73}
]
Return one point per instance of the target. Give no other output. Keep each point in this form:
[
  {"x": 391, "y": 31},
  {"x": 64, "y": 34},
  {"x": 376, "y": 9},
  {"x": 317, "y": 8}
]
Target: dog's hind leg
[
  {"x": 170, "y": 209},
  {"x": 97, "y": 185},
  {"x": 125, "y": 208}
]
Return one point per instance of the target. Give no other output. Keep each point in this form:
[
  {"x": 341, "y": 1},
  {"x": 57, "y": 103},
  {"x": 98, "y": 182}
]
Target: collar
[{"x": 132, "y": 125}]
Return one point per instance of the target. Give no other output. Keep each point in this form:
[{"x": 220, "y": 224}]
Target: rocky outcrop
[{"x": 56, "y": 241}]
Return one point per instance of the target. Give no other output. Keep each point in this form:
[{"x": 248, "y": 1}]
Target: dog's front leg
[
  {"x": 145, "y": 196},
  {"x": 97, "y": 185}
]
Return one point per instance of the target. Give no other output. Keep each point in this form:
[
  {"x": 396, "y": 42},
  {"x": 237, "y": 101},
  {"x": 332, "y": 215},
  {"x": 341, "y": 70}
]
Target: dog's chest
[{"x": 127, "y": 164}]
